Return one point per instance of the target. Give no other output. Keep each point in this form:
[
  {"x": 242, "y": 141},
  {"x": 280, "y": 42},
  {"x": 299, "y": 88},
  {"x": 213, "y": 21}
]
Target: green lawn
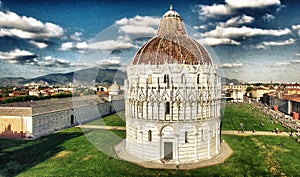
[
  {"x": 70, "y": 153},
  {"x": 117, "y": 119},
  {"x": 250, "y": 116}
]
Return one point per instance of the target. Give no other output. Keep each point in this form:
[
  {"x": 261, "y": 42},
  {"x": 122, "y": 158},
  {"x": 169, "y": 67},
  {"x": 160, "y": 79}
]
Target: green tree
[{"x": 248, "y": 89}]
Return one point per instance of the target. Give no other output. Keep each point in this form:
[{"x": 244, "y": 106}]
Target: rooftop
[
  {"x": 172, "y": 45},
  {"x": 46, "y": 106}
]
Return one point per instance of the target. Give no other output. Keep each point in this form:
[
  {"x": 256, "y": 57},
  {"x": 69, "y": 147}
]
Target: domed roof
[{"x": 172, "y": 45}]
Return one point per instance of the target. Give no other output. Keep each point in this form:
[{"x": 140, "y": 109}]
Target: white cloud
[
  {"x": 234, "y": 32},
  {"x": 280, "y": 64},
  {"x": 138, "y": 31},
  {"x": 137, "y": 27},
  {"x": 231, "y": 6},
  {"x": 82, "y": 45},
  {"x": 108, "y": 45},
  {"x": 219, "y": 41},
  {"x": 296, "y": 28},
  {"x": 129, "y": 29},
  {"x": 139, "y": 21},
  {"x": 251, "y": 3},
  {"x": 268, "y": 17},
  {"x": 14, "y": 54},
  {"x": 265, "y": 45},
  {"x": 40, "y": 45},
  {"x": 50, "y": 61},
  {"x": 214, "y": 10},
  {"x": 200, "y": 27},
  {"x": 239, "y": 20},
  {"x": 295, "y": 61},
  {"x": 281, "y": 6},
  {"x": 66, "y": 46},
  {"x": 297, "y": 54},
  {"x": 76, "y": 36},
  {"x": 11, "y": 24},
  {"x": 109, "y": 61},
  {"x": 232, "y": 65},
  {"x": 18, "y": 56}
]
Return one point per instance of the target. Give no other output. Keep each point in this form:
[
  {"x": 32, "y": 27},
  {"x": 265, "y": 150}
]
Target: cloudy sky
[{"x": 255, "y": 40}]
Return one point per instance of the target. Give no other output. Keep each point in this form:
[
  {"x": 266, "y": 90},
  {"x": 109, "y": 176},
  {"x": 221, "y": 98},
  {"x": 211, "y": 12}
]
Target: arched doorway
[
  {"x": 72, "y": 119},
  {"x": 167, "y": 143}
]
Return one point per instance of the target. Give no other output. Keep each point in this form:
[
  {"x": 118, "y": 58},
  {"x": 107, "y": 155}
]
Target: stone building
[
  {"x": 173, "y": 98},
  {"x": 40, "y": 118}
]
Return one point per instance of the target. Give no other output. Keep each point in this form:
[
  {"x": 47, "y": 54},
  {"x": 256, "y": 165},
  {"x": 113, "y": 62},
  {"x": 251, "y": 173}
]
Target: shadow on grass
[{"x": 17, "y": 156}]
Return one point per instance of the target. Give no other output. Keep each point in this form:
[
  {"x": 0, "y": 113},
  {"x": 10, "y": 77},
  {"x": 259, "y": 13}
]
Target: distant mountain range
[
  {"x": 84, "y": 77},
  {"x": 234, "y": 81}
]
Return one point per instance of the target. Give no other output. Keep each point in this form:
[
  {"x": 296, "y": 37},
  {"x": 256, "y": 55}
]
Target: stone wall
[
  {"x": 47, "y": 123},
  {"x": 34, "y": 122}
]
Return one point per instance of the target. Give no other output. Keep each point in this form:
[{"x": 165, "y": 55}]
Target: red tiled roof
[
  {"x": 295, "y": 98},
  {"x": 172, "y": 45}
]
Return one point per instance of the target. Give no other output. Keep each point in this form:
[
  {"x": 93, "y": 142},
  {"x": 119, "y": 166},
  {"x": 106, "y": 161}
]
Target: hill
[
  {"x": 11, "y": 81},
  {"x": 90, "y": 75},
  {"x": 234, "y": 81},
  {"x": 84, "y": 77}
]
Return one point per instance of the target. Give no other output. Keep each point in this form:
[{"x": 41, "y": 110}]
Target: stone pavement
[
  {"x": 103, "y": 127},
  {"x": 247, "y": 133},
  {"x": 224, "y": 152}
]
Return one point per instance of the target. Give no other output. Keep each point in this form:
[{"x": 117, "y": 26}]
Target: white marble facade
[
  {"x": 178, "y": 103},
  {"x": 173, "y": 109}
]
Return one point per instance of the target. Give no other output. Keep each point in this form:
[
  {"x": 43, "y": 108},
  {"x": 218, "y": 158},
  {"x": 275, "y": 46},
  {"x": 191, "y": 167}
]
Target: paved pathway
[
  {"x": 224, "y": 132},
  {"x": 225, "y": 152},
  {"x": 102, "y": 127},
  {"x": 247, "y": 133}
]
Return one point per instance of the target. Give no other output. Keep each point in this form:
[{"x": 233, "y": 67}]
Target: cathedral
[{"x": 172, "y": 98}]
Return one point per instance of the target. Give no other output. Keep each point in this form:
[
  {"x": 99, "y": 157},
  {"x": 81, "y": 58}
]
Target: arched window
[
  {"x": 183, "y": 80},
  {"x": 166, "y": 78},
  {"x": 167, "y": 111},
  {"x": 198, "y": 78},
  {"x": 186, "y": 136},
  {"x": 140, "y": 108},
  {"x": 149, "y": 80},
  {"x": 149, "y": 135}
]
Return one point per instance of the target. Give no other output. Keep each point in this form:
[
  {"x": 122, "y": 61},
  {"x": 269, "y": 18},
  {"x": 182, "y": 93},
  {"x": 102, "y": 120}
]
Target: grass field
[
  {"x": 117, "y": 119},
  {"x": 250, "y": 116},
  {"x": 70, "y": 153}
]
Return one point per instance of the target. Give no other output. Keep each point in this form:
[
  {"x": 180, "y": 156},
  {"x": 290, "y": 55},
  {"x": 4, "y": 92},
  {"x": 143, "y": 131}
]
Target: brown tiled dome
[{"x": 172, "y": 45}]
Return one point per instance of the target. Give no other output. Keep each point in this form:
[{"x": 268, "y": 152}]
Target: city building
[
  {"x": 258, "y": 92},
  {"x": 286, "y": 103},
  {"x": 235, "y": 93},
  {"x": 172, "y": 99},
  {"x": 34, "y": 119}
]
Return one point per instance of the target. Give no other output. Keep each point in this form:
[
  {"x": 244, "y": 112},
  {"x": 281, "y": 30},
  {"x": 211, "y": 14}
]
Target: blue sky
[{"x": 255, "y": 40}]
